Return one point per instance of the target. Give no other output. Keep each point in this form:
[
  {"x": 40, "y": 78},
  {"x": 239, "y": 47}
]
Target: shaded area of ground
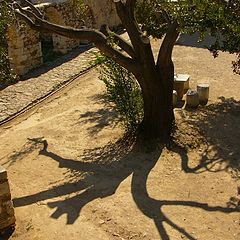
[
  {"x": 104, "y": 169},
  {"x": 101, "y": 170},
  {"x": 70, "y": 172},
  {"x": 218, "y": 123},
  {"x": 195, "y": 41}
]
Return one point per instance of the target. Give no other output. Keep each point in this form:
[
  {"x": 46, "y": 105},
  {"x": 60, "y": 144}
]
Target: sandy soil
[{"x": 72, "y": 177}]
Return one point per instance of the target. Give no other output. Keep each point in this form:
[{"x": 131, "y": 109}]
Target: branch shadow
[
  {"x": 101, "y": 118},
  {"x": 97, "y": 175},
  {"x": 20, "y": 154},
  {"x": 152, "y": 208},
  {"x": 218, "y": 123},
  {"x": 100, "y": 172},
  {"x": 193, "y": 40}
]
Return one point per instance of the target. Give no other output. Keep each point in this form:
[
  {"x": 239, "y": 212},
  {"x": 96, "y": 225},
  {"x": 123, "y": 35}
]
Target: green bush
[
  {"x": 6, "y": 76},
  {"x": 123, "y": 91}
]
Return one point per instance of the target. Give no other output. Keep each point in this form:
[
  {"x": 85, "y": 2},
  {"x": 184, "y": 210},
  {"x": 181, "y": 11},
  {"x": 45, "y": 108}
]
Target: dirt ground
[{"x": 72, "y": 175}]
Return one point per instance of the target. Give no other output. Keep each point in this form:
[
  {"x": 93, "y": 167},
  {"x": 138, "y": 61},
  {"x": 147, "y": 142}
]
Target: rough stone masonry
[
  {"x": 25, "y": 44},
  {"x": 7, "y": 218}
]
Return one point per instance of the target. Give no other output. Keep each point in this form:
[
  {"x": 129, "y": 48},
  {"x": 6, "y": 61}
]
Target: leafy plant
[
  {"x": 123, "y": 91},
  {"x": 219, "y": 18},
  {"x": 6, "y": 75}
]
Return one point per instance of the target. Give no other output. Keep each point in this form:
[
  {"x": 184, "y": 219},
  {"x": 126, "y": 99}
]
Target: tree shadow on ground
[
  {"x": 218, "y": 124},
  {"x": 193, "y": 40},
  {"x": 18, "y": 155},
  {"x": 101, "y": 118},
  {"x": 100, "y": 172}
]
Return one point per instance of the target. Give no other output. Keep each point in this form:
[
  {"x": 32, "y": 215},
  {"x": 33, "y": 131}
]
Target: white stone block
[{"x": 183, "y": 78}]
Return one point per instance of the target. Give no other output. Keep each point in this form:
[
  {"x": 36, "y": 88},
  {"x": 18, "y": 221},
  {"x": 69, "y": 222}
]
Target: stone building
[{"x": 26, "y": 46}]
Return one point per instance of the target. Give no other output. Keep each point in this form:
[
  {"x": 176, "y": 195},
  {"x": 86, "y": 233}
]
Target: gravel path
[
  {"x": 43, "y": 81},
  {"x": 53, "y": 75}
]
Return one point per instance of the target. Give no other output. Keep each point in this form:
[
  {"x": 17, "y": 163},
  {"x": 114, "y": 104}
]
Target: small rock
[
  {"x": 116, "y": 235},
  {"x": 101, "y": 222}
]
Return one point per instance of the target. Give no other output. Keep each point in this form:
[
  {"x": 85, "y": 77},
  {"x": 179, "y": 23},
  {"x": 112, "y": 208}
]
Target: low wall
[
  {"x": 24, "y": 44},
  {"x": 24, "y": 48},
  {"x": 103, "y": 12},
  {"x": 7, "y": 218}
]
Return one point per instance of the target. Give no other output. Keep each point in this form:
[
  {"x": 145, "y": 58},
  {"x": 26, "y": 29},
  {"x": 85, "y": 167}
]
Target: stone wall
[
  {"x": 24, "y": 48},
  {"x": 7, "y": 218},
  {"x": 103, "y": 12},
  {"x": 64, "y": 15},
  {"x": 24, "y": 44}
]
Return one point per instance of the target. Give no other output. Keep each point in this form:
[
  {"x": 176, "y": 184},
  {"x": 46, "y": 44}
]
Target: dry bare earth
[{"x": 71, "y": 177}]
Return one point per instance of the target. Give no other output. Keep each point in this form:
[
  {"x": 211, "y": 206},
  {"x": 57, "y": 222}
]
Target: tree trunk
[{"x": 158, "y": 106}]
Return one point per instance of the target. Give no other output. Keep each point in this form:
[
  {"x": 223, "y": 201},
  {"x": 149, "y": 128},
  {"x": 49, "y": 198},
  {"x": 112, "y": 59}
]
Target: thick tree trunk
[
  {"x": 158, "y": 104},
  {"x": 158, "y": 107}
]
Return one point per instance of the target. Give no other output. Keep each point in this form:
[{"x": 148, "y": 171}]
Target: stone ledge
[{"x": 7, "y": 218}]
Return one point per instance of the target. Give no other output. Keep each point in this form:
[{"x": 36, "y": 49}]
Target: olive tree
[{"x": 163, "y": 19}]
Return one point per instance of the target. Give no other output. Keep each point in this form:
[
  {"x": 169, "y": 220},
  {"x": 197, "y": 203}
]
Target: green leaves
[
  {"x": 123, "y": 91},
  {"x": 221, "y": 18},
  {"x": 6, "y": 16}
]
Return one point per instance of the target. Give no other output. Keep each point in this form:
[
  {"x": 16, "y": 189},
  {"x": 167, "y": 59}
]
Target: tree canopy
[{"x": 221, "y": 18}]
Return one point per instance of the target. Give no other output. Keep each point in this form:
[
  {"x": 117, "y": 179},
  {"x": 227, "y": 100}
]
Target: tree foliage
[
  {"x": 123, "y": 91},
  {"x": 6, "y": 16},
  {"x": 221, "y": 18}
]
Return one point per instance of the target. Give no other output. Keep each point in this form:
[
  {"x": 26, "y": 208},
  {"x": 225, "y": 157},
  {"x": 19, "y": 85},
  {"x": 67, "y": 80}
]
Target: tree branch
[
  {"x": 121, "y": 42},
  {"x": 127, "y": 17},
  {"x": 94, "y": 36},
  {"x": 166, "y": 17},
  {"x": 165, "y": 52},
  {"x": 32, "y": 7},
  {"x": 131, "y": 4},
  {"x": 27, "y": 19}
]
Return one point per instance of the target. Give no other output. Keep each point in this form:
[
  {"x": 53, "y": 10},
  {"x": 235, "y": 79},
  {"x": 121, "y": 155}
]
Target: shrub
[
  {"x": 6, "y": 76},
  {"x": 123, "y": 91}
]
